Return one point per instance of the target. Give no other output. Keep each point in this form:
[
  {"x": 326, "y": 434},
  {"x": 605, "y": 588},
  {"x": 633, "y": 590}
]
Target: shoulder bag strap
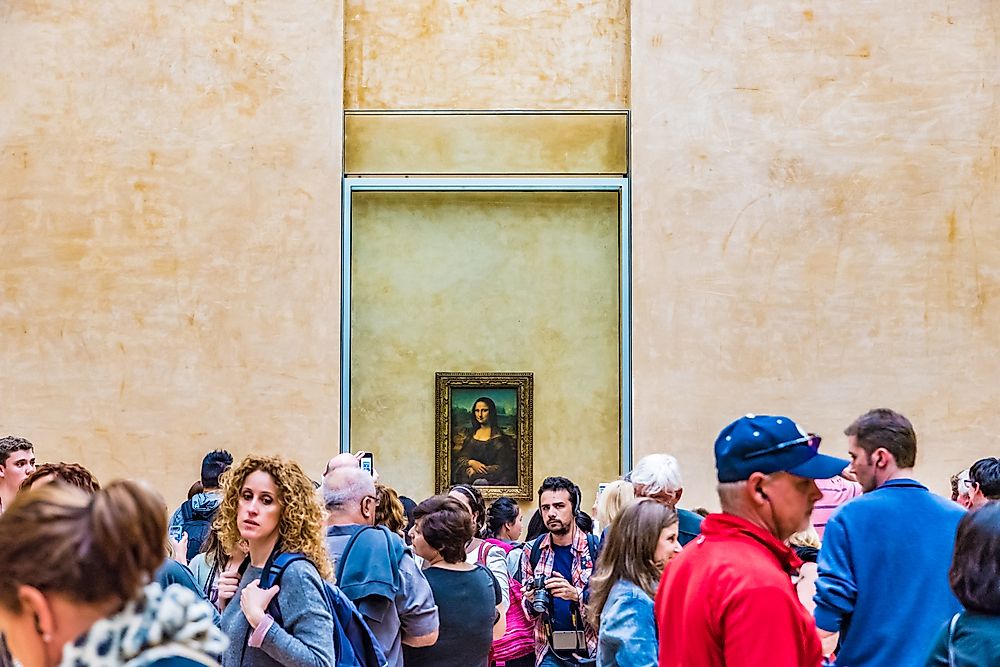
[
  {"x": 484, "y": 551},
  {"x": 534, "y": 551}
]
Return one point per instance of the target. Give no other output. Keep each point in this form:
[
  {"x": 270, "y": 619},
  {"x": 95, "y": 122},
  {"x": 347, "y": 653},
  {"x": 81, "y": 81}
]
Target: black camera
[{"x": 540, "y": 605}]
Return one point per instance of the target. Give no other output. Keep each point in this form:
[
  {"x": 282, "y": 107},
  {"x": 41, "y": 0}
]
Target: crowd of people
[{"x": 813, "y": 560}]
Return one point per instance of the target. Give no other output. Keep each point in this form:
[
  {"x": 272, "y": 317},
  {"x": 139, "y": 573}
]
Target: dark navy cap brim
[{"x": 820, "y": 466}]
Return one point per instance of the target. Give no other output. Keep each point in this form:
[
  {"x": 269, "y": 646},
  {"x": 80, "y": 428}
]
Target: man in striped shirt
[{"x": 836, "y": 491}]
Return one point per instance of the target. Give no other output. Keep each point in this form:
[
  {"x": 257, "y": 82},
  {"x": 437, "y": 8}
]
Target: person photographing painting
[
  {"x": 556, "y": 570},
  {"x": 488, "y": 456}
]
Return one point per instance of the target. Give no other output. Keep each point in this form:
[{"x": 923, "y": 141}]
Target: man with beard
[{"x": 564, "y": 558}]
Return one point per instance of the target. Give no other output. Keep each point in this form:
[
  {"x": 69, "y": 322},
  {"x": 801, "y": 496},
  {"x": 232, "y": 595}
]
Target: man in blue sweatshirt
[{"x": 883, "y": 567}]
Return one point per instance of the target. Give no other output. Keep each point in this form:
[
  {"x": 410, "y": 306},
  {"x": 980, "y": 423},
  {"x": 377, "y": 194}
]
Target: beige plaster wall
[
  {"x": 488, "y": 54},
  {"x": 475, "y": 282},
  {"x": 816, "y": 206},
  {"x": 169, "y": 210}
]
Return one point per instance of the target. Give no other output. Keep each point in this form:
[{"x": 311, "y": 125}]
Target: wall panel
[
  {"x": 489, "y": 54},
  {"x": 465, "y": 282},
  {"x": 169, "y": 213},
  {"x": 816, "y": 200}
]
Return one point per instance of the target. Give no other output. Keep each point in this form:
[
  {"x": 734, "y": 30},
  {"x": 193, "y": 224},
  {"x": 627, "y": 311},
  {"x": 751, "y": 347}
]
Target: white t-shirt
[{"x": 496, "y": 561}]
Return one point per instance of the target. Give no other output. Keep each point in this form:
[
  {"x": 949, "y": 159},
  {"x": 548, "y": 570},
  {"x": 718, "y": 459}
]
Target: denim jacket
[{"x": 627, "y": 636}]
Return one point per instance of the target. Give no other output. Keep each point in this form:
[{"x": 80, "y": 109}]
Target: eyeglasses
[{"x": 811, "y": 440}]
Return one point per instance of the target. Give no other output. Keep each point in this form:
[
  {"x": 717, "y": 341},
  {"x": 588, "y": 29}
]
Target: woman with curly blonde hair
[{"x": 270, "y": 503}]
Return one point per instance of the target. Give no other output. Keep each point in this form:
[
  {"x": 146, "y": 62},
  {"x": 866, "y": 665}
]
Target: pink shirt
[{"x": 836, "y": 491}]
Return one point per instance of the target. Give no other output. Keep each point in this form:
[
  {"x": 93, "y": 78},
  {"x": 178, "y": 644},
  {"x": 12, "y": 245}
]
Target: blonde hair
[
  {"x": 88, "y": 547},
  {"x": 613, "y": 500},
  {"x": 300, "y": 528},
  {"x": 807, "y": 538},
  {"x": 628, "y": 553}
]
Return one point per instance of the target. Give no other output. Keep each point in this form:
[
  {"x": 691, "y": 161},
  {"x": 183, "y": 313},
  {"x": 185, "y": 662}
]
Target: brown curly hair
[
  {"x": 300, "y": 528},
  {"x": 389, "y": 511},
  {"x": 73, "y": 474}
]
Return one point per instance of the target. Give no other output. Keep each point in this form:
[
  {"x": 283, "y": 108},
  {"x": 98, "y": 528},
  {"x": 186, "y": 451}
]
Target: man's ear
[
  {"x": 882, "y": 459},
  {"x": 755, "y": 494},
  {"x": 677, "y": 494},
  {"x": 974, "y": 491},
  {"x": 368, "y": 514}
]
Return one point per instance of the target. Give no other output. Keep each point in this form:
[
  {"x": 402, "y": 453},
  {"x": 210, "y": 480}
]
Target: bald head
[
  {"x": 345, "y": 460},
  {"x": 344, "y": 494}
]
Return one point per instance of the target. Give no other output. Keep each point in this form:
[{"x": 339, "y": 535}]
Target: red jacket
[{"x": 728, "y": 600}]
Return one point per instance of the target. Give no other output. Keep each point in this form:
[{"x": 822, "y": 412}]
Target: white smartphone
[{"x": 367, "y": 462}]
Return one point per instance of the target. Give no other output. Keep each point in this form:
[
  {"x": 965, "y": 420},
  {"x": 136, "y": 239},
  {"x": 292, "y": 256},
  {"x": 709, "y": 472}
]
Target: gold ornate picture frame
[{"x": 483, "y": 431}]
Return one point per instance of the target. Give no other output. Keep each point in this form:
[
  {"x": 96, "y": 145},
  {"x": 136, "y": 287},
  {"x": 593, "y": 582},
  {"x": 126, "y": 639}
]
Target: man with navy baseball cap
[{"x": 728, "y": 599}]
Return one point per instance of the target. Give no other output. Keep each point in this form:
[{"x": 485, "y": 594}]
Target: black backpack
[{"x": 197, "y": 524}]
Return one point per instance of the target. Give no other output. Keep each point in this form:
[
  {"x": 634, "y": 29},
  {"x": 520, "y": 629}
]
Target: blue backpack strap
[{"x": 275, "y": 566}]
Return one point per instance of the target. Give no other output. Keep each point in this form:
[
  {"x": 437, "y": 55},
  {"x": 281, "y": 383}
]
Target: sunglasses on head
[{"x": 810, "y": 440}]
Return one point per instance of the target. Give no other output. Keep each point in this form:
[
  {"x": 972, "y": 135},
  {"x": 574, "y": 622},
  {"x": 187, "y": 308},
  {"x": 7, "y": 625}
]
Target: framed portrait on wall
[{"x": 483, "y": 433}]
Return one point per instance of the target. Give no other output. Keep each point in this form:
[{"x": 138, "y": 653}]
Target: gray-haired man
[
  {"x": 658, "y": 476},
  {"x": 374, "y": 567}
]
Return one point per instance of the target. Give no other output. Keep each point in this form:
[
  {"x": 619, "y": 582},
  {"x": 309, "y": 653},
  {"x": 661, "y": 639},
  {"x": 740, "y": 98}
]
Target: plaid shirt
[{"x": 583, "y": 567}]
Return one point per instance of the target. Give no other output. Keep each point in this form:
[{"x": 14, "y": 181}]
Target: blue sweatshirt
[{"x": 883, "y": 574}]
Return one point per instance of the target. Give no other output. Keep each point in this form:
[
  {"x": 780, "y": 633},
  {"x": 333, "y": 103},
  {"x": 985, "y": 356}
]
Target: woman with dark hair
[
  {"x": 504, "y": 522},
  {"x": 467, "y": 595},
  {"x": 972, "y": 637},
  {"x": 478, "y": 550},
  {"x": 74, "y": 586},
  {"x": 639, "y": 544},
  {"x": 408, "y": 506},
  {"x": 536, "y": 527},
  {"x": 488, "y": 455},
  {"x": 213, "y": 560},
  {"x": 503, "y": 529}
]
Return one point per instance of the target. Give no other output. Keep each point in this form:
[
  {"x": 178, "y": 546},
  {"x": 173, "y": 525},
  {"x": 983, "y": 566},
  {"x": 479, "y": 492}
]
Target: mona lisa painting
[{"x": 483, "y": 430}]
